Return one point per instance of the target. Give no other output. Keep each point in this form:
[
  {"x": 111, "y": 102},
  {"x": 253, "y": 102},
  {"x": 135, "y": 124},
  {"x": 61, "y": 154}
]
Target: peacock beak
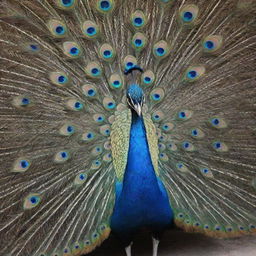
[{"x": 138, "y": 109}]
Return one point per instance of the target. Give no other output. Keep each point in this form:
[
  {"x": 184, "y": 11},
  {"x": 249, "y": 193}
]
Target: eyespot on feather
[
  {"x": 32, "y": 47},
  {"x": 31, "y": 201},
  {"x": 61, "y": 157},
  {"x": 66, "y": 4},
  {"x": 157, "y": 95},
  {"x": 93, "y": 70},
  {"x": 96, "y": 164},
  {"x": 116, "y": 81},
  {"x": 97, "y": 150},
  {"x": 163, "y": 157},
  {"x": 197, "y": 133},
  {"x": 188, "y": 146},
  {"x": 107, "y": 158},
  {"x": 138, "y": 19},
  {"x": 107, "y": 52},
  {"x": 129, "y": 62},
  {"x": 182, "y": 167},
  {"x": 80, "y": 178},
  {"x": 67, "y": 130},
  {"x": 90, "y": 29},
  {"x": 218, "y": 122},
  {"x": 147, "y": 78},
  {"x": 59, "y": 78},
  {"x": 167, "y": 127},
  {"x": 57, "y": 28},
  {"x": 189, "y": 14},
  {"x": 171, "y": 146},
  {"x": 89, "y": 91},
  {"x": 219, "y": 146},
  {"x": 161, "y": 49},
  {"x": 206, "y": 172},
  {"x": 212, "y": 43},
  {"x": 72, "y": 49},
  {"x": 22, "y": 102},
  {"x": 105, "y": 130},
  {"x": 109, "y": 103},
  {"x": 139, "y": 41},
  {"x": 184, "y": 115},
  {"x": 88, "y": 136},
  {"x": 99, "y": 118},
  {"x": 157, "y": 116},
  {"x": 74, "y": 104},
  {"x": 21, "y": 165},
  {"x": 105, "y": 6},
  {"x": 194, "y": 73}
]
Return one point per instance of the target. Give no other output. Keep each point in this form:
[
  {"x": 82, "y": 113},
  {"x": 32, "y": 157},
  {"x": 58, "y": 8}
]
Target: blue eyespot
[
  {"x": 111, "y": 105},
  {"x": 24, "y": 164},
  {"x": 192, "y": 74},
  {"x": 60, "y": 30},
  {"x": 138, "y": 42},
  {"x": 182, "y": 114},
  {"x": 91, "y": 31},
  {"x": 147, "y": 80},
  {"x": 187, "y": 16},
  {"x": 138, "y": 21},
  {"x": 74, "y": 51},
  {"x": 107, "y": 54},
  {"x": 91, "y": 92},
  {"x": 194, "y": 132},
  {"x": 98, "y": 118},
  {"x": 215, "y": 121},
  {"x": 62, "y": 79},
  {"x": 180, "y": 165},
  {"x": 25, "y": 101},
  {"x": 67, "y": 3},
  {"x": 95, "y": 71},
  {"x": 217, "y": 145},
  {"x": 90, "y": 135},
  {"x": 34, "y": 47},
  {"x": 70, "y": 129},
  {"x": 105, "y": 5},
  {"x": 156, "y": 96},
  {"x": 34, "y": 199},
  {"x": 78, "y": 105},
  {"x": 209, "y": 45},
  {"x": 217, "y": 228},
  {"x": 205, "y": 171},
  {"x": 160, "y": 51},
  {"x": 64, "y": 154},
  {"x": 186, "y": 145},
  {"x": 82, "y": 176}
]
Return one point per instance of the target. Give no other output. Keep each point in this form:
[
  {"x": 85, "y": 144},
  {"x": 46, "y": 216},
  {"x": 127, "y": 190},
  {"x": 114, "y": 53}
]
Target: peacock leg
[
  {"x": 155, "y": 246},
  {"x": 128, "y": 250}
]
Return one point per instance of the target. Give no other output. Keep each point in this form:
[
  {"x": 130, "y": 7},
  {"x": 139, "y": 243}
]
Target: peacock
[{"x": 118, "y": 115}]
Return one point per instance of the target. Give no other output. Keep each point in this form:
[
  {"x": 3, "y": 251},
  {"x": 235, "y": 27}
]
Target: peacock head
[{"x": 135, "y": 98}]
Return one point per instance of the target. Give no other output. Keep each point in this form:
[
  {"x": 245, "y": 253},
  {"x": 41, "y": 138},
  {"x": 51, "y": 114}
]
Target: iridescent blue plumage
[{"x": 141, "y": 199}]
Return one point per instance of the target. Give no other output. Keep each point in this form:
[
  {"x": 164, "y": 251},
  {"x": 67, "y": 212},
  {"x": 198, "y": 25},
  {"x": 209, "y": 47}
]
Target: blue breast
[{"x": 141, "y": 200}]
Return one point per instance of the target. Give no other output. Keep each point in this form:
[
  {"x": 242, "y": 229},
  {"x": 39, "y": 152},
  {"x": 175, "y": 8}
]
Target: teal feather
[{"x": 107, "y": 106}]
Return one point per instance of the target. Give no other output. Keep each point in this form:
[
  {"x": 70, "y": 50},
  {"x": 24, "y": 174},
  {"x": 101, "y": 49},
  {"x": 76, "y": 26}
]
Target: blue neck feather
[{"x": 141, "y": 200}]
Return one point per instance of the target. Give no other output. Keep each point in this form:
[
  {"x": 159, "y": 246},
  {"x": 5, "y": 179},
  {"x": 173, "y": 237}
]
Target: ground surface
[{"x": 178, "y": 243}]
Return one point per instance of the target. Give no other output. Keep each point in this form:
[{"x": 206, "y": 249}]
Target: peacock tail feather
[{"x": 64, "y": 121}]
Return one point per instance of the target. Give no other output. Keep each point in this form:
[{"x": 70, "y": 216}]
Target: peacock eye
[{"x": 72, "y": 49}]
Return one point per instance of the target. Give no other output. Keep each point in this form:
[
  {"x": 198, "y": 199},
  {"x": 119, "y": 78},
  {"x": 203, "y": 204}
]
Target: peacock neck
[{"x": 140, "y": 174}]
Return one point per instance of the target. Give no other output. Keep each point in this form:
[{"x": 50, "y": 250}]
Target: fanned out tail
[{"x": 63, "y": 84}]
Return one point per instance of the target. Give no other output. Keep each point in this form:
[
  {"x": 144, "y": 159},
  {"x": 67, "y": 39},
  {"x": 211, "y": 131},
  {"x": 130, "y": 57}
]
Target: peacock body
[{"x": 117, "y": 115}]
